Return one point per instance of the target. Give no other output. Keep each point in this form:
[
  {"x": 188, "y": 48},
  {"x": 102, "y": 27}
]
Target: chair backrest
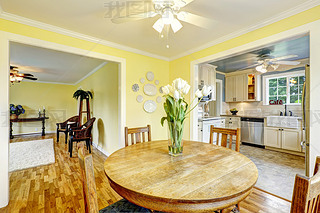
[
  {"x": 306, "y": 192},
  {"x": 89, "y": 125},
  {"x": 137, "y": 134},
  {"x": 224, "y": 136},
  {"x": 88, "y": 181}
]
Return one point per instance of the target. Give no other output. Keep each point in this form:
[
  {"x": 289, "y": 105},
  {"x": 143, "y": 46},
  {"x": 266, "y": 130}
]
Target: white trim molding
[
  {"x": 98, "y": 147},
  {"x": 91, "y": 72},
  {"x": 60, "y": 30}
]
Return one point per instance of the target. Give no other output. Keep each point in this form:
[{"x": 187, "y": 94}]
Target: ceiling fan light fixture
[
  {"x": 176, "y": 25},
  {"x": 158, "y": 25},
  {"x": 167, "y": 16},
  {"x": 261, "y": 68}
]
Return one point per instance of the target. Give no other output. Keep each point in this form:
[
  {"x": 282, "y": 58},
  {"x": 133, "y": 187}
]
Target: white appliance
[{"x": 204, "y": 128}]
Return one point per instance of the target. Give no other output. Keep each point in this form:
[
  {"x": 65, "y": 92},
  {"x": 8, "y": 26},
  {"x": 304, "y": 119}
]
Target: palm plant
[{"x": 82, "y": 94}]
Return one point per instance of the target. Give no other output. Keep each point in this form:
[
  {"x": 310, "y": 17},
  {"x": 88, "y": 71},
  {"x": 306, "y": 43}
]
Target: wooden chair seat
[{"x": 137, "y": 134}]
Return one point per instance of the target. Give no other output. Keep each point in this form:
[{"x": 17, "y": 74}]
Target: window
[{"x": 284, "y": 87}]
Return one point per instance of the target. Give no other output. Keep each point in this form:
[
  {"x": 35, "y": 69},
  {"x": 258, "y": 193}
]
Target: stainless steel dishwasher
[{"x": 252, "y": 130}]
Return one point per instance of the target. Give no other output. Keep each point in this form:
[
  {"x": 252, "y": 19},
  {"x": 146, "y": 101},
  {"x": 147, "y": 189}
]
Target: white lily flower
[
  {"x": 206, "y": 90},
  {"x": 176, "y": 95},
  {"x": 165, "y": 90},
  {"x": 198, "y": 93},
  {"x": 186, "y": 89},
  {"x": 171, "y": 89},
  {"x": 177, "y": 84}
]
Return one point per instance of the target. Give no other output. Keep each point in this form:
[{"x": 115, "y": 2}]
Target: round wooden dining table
[{"x": 204, "y": 178}]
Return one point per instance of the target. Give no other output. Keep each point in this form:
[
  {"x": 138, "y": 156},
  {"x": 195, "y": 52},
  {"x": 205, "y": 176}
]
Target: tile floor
[{"x": 276, "y": 170}]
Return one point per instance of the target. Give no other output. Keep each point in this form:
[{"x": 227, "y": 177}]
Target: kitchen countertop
[
  {"x": 246, "y": 116},
  {"x": 209, "y": 118}
]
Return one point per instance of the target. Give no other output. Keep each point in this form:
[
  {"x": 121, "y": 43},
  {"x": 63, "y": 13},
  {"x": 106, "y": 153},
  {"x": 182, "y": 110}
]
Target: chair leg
[
  {"x": 70, "y": 146},
  {"x": 57, "y": 135},
  {"x": 88, "y": 145},
  {"x": 66, "y": 137}
]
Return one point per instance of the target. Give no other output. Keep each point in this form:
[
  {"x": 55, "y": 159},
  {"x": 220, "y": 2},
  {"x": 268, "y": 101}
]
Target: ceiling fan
[
  {"x": 266, "y": 62},
  {"x": 170, "y": 15},
  {"x": 16, "y": 76}
]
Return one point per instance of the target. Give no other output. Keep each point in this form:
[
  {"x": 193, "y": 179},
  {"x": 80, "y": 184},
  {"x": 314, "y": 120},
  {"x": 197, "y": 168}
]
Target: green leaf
[{"x": 163, "y": 119}]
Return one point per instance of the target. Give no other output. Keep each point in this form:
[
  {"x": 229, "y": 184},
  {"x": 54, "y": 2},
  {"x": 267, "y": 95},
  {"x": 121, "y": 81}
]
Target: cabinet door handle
[{"x": 279, "y": 129}]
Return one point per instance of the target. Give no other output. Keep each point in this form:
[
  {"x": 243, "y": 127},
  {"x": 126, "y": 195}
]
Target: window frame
[{"x": 287, "y": 75}]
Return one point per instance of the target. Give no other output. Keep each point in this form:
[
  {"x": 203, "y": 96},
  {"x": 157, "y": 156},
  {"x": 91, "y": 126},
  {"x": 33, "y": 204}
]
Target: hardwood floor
[{"x": 57, "y": 187}]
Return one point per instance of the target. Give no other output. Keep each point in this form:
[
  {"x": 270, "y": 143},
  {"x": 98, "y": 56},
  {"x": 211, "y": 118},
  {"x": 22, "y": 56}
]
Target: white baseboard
[{"x": 101, "y": 149}]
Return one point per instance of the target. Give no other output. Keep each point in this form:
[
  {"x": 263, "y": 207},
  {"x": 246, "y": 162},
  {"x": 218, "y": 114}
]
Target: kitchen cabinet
[
  {"x": 253, "y": 87},
  {"x": 206, "y": 125},
  {"x": 207, "y": 76},
  {"x": 283, "y": 138},
  {"x": 233, "y": 122},
  {"x": 235, "y": 88}
]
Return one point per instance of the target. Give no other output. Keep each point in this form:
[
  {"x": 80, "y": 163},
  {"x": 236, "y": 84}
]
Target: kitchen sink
[{"x": 283, "y": 121}]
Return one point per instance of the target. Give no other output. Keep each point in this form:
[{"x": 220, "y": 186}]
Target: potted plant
[
  {"x": 15, "y": 111},
  {"x": 80, "y": 93},
  {"x": 177, "y": 109}
]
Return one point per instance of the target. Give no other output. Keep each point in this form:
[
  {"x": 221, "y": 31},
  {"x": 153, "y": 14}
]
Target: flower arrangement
[
  {"x": 177, "y": 109},
  {"x": 16, "y": 110}
]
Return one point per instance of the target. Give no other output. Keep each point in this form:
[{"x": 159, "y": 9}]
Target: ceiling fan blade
[
  {"x": 287, "y": 62},
  {"x": 196, "y": 20},
  {"x": 123, "y": 19},
  {"x": 24, "y": 75},
  {"x": 187, "y": 1},
  {"x": 284, "y": 57},
  {"x": 248, "y": 67},
  {"x": 31, "y": 78}
]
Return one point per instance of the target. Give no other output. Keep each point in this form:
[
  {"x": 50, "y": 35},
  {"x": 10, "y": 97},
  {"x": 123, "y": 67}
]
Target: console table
[{"x": 42, "y": 119}]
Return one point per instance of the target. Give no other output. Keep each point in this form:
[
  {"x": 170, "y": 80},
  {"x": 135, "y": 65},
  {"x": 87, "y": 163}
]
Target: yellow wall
[
  {"x": 104, "y": 85},
  {"x": 181, "y": 67},
  {"x": 56, "y": 98},
  {"x": 136, "y": 67}
]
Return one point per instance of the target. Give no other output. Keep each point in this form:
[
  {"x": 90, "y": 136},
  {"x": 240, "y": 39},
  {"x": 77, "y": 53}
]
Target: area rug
[{"x": 23, "y": 155}]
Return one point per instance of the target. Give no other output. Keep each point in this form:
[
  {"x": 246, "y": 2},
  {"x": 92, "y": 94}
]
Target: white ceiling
[
  {"x": 52, "y": 66},
  {"x": 91, "y": 18}
]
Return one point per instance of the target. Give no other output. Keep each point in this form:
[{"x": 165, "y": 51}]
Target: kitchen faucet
[{"x": 285, "y": 110}]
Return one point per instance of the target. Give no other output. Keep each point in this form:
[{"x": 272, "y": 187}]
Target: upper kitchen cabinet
[
  {"x": 235, "y": 88},
  {"x": 253, "y": 87},
  {"x": 207, "y": 76}
]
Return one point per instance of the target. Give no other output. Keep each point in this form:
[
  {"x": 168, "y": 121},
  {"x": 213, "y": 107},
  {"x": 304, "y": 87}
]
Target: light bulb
[
  {"x": 167, "y": 16},
  {"x": 168, "y": 46}
]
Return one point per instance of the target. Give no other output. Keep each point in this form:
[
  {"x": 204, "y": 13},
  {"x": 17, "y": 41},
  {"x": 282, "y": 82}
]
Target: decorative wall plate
[
  {"x": 139, "y": 98},
  {"x": 150, "y": 76},
  {"x": 135, "y": 88},
  {"x": 142, "y": 80},
  {"x": 150, "y": 106},
  {"x": 159, "y": 99},
  {"x": 150, "y": 89},
  {"x": 160, "y": 90},
  {"x": 156, "y": 82}
]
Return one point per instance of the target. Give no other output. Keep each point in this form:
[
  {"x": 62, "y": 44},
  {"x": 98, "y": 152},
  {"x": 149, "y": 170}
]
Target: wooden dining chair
[
  {"x": 64, "y": 126},
  {"x": 90, "y": 191},
  {"x": 82, "y": 133},
  {"x": 224, "y": 137},
  {"x": 306, "y": 192},
  {"x": 137, "y": 134}
]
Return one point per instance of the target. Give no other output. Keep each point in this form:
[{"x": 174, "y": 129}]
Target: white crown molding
[
  {"x": 52, "y": 28},
  {"x": 293, "y": 11},
  {"x": 91, "y": 72}
]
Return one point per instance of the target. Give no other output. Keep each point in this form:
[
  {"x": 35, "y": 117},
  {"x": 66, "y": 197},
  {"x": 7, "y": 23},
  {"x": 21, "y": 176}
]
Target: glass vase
[{"x": 175, "y": 134}]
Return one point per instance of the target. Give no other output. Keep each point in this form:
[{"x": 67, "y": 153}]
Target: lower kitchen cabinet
[
  {"x": 206, "y": 125},
  {"x": 283, "y": 138}
]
